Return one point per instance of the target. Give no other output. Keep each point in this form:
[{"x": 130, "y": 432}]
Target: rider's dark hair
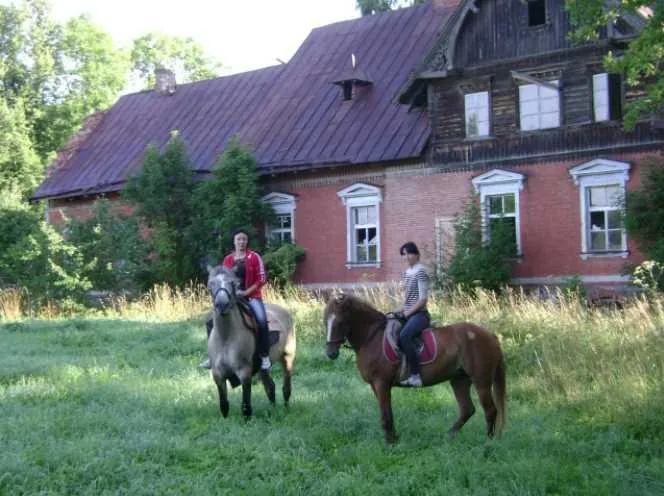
[
  {"x": 240, "y": 231},
  {"x": 409, "y": 247}
]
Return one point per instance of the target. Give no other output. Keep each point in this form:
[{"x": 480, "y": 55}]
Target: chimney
[{"x": 164, "y": 81}]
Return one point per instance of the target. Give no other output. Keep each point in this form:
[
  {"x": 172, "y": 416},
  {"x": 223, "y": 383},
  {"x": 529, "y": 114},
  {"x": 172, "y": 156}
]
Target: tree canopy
[
  {"x": 369, "y": 7},
  {"x": 184, "y": 56},
  {"x": 642, "y": 60}
]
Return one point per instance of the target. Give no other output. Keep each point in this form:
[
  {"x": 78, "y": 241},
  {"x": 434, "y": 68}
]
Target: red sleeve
[
  {"x": 228, "y": 261},
  {"x": 259, "y": 270}
]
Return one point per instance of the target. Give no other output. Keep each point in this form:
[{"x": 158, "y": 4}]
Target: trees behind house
[
  {"x": 184, "y": 56},
  {"x": 52, "y": 76},
  {"x": 369, "y": 7},
  {"x": 642, "y": 60}
]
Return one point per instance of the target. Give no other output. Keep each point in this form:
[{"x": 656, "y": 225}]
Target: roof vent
[
  {"x": 164, "y": 81},
  {"x": 351, "y": 81}
]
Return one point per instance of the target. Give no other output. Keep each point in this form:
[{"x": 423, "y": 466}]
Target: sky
[{"x": 241, "y": 34}]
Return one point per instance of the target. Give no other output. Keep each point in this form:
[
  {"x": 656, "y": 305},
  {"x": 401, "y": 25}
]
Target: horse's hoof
[{"x": 391, "y": 439}]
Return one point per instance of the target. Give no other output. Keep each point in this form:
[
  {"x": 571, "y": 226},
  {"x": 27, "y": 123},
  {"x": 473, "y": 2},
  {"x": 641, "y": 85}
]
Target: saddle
[
  {"x": 250, "y": 322},
  {"x": 426, "y": 346}
]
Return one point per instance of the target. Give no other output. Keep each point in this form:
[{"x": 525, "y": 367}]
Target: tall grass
[{"x": 111, "y": 402}]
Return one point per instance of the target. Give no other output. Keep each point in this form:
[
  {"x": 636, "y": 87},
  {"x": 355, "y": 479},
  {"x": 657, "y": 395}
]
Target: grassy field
[{"x": 112, "y": 402}]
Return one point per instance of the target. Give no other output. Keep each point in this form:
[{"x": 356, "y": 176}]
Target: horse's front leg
[
  {"x": 223, "y": 393},
  {"x": 268, "y": 384},
  {"x": 246, "y": 397},
  {"x": 383, "y": 392}
]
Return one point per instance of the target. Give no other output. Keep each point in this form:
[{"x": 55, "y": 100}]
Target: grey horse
[{"x": 232, "y": 342}]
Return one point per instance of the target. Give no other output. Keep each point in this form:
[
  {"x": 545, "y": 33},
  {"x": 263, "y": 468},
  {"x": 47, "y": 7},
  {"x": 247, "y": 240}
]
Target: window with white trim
[
  {"x": 477, "y": 114},
  {"x": 539, "y": 106},
  {"x": 282, "y": 230},
  {"x": 499, "y": 197},
  {"x": 601, "y": 195},
  {"x": 607, "y": 97},
  {"x": 362, "y": 203}
]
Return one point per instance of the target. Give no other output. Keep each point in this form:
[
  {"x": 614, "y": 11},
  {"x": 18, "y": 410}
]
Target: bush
[
  {"x": 281, "y": 262},
  {"x": 35, "y": 257},
  {"x": 115, "y": 255},
  {"x": 478, "y": 262}
]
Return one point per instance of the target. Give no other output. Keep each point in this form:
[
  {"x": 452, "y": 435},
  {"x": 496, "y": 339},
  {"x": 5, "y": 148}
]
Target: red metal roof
[{"x": 292, "y": 115}]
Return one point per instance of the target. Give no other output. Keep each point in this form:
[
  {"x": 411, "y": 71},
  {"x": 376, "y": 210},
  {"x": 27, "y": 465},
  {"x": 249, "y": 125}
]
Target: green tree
[
  {"x": 478, "y": 262},
  {"x": 184, "y": 56},
  {"x": 641, "y": 61},
  {"x": 229, "y": 200},
  {"x": 644, "y": 211},
  {"x": 369, "y": 7},
  {"x": 115, "y": 254},
  {"x": 57, "y": 74},
  {"x": 161, "y": 194},
  {"x": 34, "y": 256},
  {"x": 20, "y": 168}
]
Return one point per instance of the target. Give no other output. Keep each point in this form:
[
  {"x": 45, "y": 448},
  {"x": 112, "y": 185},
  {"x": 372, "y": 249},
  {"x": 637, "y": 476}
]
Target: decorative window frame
[
  {"x": 282, "y": 204},
  {"x": 500, "y": 182},
  {"x": 599, "y": 172},
  {"x": 361, "y": 195}
]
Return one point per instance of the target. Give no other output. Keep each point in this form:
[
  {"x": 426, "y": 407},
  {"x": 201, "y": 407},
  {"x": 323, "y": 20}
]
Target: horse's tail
[{"x": 499, "y": 394}]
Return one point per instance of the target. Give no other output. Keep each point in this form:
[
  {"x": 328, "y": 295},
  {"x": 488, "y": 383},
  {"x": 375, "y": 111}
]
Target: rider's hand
[{"x": 399, "y": 315}]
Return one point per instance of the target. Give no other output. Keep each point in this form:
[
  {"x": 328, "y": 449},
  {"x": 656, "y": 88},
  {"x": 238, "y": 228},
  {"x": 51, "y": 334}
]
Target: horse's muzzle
[{"x": 332, "y": 351}]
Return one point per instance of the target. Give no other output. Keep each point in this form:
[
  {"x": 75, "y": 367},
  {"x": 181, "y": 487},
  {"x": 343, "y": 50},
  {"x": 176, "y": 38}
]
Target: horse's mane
[
  {"x": 223, "y": 270},
  {"x": 348, "y": 303}
]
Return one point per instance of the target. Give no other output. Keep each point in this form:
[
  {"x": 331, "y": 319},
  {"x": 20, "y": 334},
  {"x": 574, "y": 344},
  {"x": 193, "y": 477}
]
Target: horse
[
  {"x": 466, "y": 354},
  {"x": 232, "y": 342}
]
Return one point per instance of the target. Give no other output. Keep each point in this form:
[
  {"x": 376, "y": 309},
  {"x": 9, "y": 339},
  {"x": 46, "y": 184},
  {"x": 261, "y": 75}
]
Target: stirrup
[{"x": 266, "y": 364}]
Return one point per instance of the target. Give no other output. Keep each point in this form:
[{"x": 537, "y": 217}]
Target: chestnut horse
[
  {"x": 467, "y": 354},
  {"x": 232, "y": 342}
]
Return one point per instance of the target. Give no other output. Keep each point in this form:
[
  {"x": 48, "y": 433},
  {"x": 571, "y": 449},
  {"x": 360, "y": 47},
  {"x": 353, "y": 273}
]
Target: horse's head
[
  {"x": 222, "y": 283},
  {"x": 334, "y": 318}
]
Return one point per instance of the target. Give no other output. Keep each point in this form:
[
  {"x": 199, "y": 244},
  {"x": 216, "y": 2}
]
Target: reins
[{"x": 373, "y": 330}]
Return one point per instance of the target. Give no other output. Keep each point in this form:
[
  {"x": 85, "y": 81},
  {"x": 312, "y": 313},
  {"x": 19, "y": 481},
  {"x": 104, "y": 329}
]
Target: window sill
[
  {"x": 604, "y": 254},
  {"x": 364, "y": 265},
  {"x": 479, "y": 138}
]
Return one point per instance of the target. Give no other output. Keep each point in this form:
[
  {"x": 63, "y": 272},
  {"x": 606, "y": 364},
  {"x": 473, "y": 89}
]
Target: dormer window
[
  {"x": 347, "y": 88},
  {"x": 536, "y": 12},
  {"x": 350, "y": 81}
]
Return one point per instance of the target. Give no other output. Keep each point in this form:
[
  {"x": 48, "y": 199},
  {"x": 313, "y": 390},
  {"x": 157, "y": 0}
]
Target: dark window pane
[
  {"x": 597, "y": 221},
  {"x": 615, "y": 219},
  {"x": 287, "y": 237},
  {"x": 597, "y": 240},
  {"x": 495, "y": 205},
  {"x": 615, "y": 240},
  {"x": 373, "y": 253},
  {"x": 360, "y": 236},
  {"x": 509, "y": 204}
]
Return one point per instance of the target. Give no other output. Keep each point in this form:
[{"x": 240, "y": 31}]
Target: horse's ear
[
  {"x": 338, "y": 295},
  {"x": 210, "y": 268}
]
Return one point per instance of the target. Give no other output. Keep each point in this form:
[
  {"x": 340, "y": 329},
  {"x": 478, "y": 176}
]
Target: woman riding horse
[{"x": 249, "y": 268}]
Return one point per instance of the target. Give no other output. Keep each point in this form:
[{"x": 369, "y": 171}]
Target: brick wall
[{"x": 414, "y": 196}]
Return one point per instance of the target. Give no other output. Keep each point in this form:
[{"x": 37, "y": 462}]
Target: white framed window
[
  {"x": 477, "y": 114},
  {"x": 607, "y": 97},
  {"x": 601, "y": 97},
  {"x": 282, "y": 230},
  {"x": 601, "y": 195},
  {"x": 499, "y": 197},
  {"x": 539, "y": 106},
  {"x": 362, "y": 203}
]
